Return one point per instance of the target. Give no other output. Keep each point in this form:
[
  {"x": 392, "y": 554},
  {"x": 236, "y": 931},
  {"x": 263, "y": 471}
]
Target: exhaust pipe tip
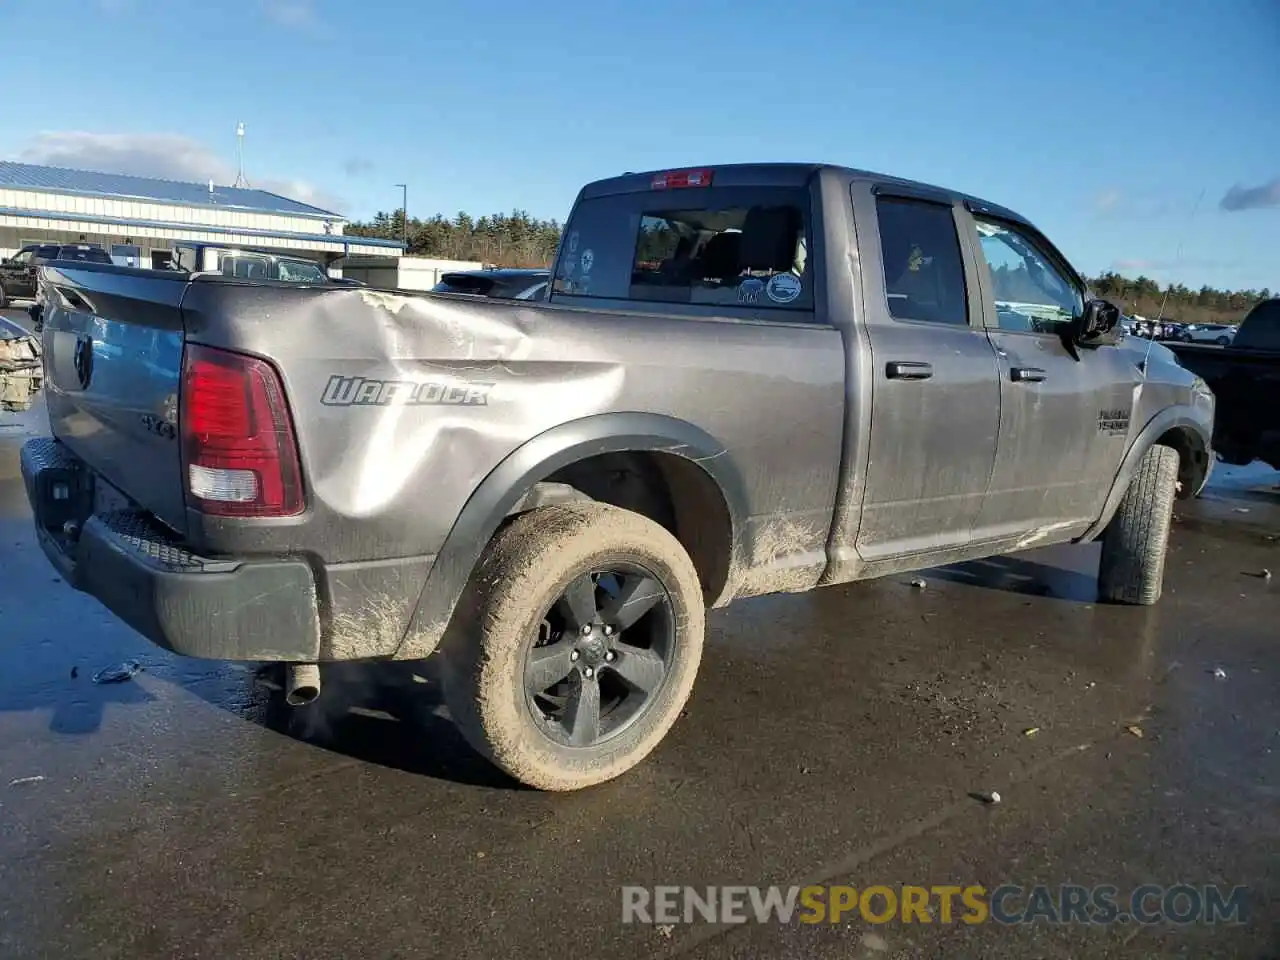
[{"x": 302, "y": 684}]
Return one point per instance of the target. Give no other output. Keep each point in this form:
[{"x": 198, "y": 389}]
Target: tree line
[
  {"x": 504, "y": 239},
  {"x": 517, "y": 239}
]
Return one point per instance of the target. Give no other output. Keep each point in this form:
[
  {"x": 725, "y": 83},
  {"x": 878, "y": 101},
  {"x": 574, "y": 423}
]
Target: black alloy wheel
[{"x": 602, "y": 655}]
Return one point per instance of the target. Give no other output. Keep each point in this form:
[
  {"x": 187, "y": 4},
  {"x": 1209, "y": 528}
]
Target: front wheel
[
  {"x": 1136, "y": 540},
  {"x": 1222, "y": 341},
  {"x": 4, "y": 297},
  {"x": 579, "y": 640}
]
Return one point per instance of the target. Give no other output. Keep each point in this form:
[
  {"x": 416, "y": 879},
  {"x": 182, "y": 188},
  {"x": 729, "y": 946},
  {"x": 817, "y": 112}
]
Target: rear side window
[
  {"x": 720, "y": 247},
  {"x": 923, "y": 268}
]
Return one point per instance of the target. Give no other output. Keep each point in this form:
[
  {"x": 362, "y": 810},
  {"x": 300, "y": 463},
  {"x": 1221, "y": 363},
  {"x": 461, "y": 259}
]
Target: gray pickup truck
[{"x": 744, "y": 380}]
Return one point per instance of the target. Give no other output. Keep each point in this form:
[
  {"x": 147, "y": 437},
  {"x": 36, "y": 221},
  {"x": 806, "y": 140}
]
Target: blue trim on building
[
  {"x": 116, "y": 186},
  {"x": 344, "y": 239}
]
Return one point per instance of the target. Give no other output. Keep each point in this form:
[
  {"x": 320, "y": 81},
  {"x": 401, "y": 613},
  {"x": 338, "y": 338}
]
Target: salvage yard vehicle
[
  {"x": 744, "y": 380},
  {"x": 18, "y": 273},
  {"x": 1245, "y": 379}
]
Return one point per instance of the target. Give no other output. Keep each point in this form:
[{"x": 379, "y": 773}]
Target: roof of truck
[{"x": 789, "y": 174}]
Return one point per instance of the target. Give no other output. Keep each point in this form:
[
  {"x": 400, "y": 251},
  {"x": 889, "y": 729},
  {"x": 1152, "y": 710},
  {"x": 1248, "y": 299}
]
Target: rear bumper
[{"x": 225, "y": 609}]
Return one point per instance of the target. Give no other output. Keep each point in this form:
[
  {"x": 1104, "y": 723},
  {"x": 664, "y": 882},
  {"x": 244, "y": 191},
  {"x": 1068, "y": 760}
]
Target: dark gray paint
[{"x": 830, "y": 470}]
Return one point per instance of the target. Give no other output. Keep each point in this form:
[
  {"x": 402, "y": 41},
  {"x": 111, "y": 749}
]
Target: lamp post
[{"x": 404, "y": 213}]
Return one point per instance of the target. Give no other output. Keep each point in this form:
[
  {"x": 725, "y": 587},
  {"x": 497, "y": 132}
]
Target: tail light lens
[{"x": 239, "y": 455}]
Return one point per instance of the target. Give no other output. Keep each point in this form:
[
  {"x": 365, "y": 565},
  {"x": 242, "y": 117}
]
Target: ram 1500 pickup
[{"x": 744, "y": 380}]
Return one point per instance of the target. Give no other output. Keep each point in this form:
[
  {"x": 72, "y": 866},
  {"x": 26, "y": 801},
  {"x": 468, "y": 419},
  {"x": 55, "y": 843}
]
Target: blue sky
[{"x": 1118, "y": 127}]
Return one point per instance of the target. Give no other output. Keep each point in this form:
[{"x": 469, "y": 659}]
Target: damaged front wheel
[{"x": 582, "y": 637}]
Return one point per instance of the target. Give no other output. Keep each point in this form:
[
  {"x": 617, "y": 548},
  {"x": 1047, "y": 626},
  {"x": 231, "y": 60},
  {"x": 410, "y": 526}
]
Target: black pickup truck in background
[
  {"x": 18, "y": 273},
  {"x": 1245, "y": 378}
]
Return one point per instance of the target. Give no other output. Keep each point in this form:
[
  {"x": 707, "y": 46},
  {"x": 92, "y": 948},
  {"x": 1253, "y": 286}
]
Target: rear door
[
  {"x": 935, "y": 397},
  {"x": 1064, "y": 422}
]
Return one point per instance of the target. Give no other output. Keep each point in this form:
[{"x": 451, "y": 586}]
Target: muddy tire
[
  {"x": 1135, "y": 541},
  {"x": 606, "y": 599}
]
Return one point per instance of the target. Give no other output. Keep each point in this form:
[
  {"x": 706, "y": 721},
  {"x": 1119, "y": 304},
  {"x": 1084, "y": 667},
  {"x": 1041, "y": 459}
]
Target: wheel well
[
  {"x": 668, "y": 489},
  {"x": 1193, "y": 459}
]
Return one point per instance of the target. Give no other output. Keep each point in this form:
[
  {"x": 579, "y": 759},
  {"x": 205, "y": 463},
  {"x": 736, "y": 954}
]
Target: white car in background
[{"x": 1219, "y": 333}]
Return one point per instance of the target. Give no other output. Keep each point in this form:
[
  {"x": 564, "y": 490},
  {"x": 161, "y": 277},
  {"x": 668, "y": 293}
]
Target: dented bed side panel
[{"x": 403, "y": 405}]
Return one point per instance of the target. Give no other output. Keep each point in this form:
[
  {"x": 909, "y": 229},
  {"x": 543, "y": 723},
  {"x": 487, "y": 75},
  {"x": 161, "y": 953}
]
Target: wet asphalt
[{"x": 834, "y": 737}]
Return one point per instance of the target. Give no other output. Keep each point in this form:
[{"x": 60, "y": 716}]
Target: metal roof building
[{"x": 137, "y": 219}]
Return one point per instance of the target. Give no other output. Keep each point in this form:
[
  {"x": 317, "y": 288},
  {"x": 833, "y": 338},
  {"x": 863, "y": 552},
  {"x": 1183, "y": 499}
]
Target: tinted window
[
  {"x": 1261, "y": 328},
  {"x": 724, "y": 247},
  {"x": 923, "y": 268},
  {"x": 1031, "y": 294},
  {"x": 472, "y": 283},
  {"x": 87, "y": 254}
]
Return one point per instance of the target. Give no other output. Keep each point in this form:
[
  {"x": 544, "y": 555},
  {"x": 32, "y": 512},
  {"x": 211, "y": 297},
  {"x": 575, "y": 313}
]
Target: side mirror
[{"x": 1098, "y": 325}]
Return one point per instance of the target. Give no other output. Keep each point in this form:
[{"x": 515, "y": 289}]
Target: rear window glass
[
  {"x": 90, "y": 254},
  {"x": 724, "y": 247},
  {"x": 1261, "y": 328}
]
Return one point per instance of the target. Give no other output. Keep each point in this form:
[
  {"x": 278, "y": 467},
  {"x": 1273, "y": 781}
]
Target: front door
[
  {"x": 1064, "y": 422},
  {"x": 935, "y": 397}
]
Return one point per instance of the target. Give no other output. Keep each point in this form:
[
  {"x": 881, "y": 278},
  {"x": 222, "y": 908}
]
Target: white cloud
[
  {"x": 168, "y": 156},
  {"x": 294, "y": 14},
  {"x": 1106, "y": 201}
]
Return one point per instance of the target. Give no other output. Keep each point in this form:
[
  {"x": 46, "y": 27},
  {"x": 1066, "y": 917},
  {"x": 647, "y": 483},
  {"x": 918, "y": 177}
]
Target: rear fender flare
[
  {"x": 1164, "y": 421},
  {"x": 510, "y": 482}
]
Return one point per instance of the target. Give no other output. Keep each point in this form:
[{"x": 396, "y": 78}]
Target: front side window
[
  {"x": 720, "y": 247},
  {"x": 23, "y": 258},
  {"x": 1031, "y": 294},
  {"x": 923, "y": 267}
]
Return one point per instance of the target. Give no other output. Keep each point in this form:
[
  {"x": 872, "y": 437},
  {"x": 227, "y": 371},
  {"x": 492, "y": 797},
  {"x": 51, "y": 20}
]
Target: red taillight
[
  {"x": 239, "y": 457},
  {"x": 676, "y": 179}
]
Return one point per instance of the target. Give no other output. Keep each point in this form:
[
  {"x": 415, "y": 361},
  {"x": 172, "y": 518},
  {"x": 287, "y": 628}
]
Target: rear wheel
[
  {"x": 580, "y": 639},
  {"x": 1136, "y": 540}
]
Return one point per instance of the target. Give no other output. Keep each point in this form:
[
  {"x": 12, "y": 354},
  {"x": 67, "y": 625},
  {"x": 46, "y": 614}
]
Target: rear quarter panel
[{"x": 387, "y": 478}]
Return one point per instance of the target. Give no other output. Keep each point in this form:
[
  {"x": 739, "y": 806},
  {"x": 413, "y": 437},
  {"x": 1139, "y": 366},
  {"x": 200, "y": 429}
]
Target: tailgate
[{"x": 113, "y": 339}]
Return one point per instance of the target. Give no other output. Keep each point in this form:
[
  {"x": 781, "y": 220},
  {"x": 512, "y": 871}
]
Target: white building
[{"x": 137, "y": 219}]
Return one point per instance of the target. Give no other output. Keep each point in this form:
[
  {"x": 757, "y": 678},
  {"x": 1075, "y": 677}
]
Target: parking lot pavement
[{"x": 832, "y": 738}]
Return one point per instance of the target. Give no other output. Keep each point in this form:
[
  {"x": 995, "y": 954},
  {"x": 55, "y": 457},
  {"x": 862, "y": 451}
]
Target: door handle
[
  {"x": 908, "y": 370},
  {"x": 1027, "y": 374}
]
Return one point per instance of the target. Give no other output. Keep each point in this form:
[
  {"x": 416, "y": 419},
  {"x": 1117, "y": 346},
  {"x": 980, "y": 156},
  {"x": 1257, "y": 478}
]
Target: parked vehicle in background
[
  {"x": 506, "y": 283},
  {"x": 18, "y": 273},
  {"x": 1245, "y": 377},
  {"x": 747, "y": 380},
  {"x": 1219, "y": 333},
  {"x": 248, "y": 263}
]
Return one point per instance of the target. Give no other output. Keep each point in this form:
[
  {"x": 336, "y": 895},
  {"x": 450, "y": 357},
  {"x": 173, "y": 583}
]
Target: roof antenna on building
[{"x": 240, "y": 180}]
